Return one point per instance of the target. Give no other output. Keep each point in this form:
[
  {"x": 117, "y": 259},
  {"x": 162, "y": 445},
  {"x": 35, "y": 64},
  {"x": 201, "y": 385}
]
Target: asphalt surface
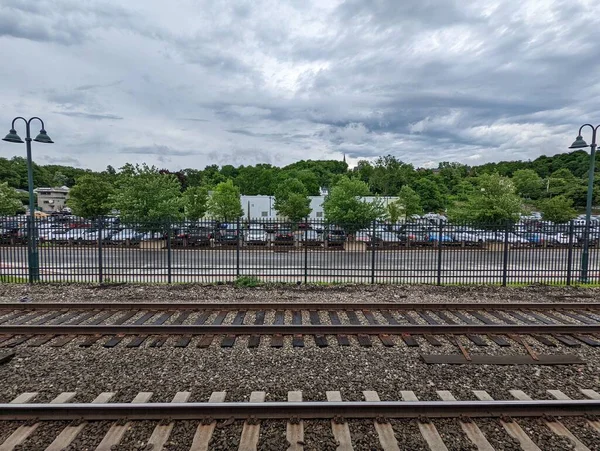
[{"x": 417, "y": 265}]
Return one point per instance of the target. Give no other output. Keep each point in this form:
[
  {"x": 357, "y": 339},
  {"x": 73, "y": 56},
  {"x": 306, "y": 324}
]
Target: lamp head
[
  {"x": 579, "y": 143},
  {"x": 42, "y": 137},
  {"x": 12, "y": 137}
]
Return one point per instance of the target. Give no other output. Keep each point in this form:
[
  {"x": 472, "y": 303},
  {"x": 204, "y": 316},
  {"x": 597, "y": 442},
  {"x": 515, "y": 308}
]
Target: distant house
[{"x": 52, "y": 199}]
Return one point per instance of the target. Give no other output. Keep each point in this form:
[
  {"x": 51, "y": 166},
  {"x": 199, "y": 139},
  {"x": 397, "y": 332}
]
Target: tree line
[{"x": 557, "y": 186}]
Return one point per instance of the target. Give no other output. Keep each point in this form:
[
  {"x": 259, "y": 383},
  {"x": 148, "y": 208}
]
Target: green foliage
[
  {"x": 224, "y": 204},
  {"x": 91, "y": 196},
  {"x": 528, "y": 184},
  {"x": 144, "y": 194},
  {"x": 291, "y": 200},
  {"x": 558, "y": 209},
  {"x": 9, "y": 200},
  {"x": 195, "y": 200},
  {"x": 410, "y": 201},
  {"x": 247, "y": 282},
  {"x": 393, "y": 211},
  {"x": 343, "y": 205},
  {"x": 431, "y": 194},
  {"x": 389, "y": 175},
  {"x": 494, "y": 201}
]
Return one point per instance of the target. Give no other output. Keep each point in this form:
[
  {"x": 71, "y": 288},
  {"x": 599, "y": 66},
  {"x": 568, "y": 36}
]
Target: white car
[
  {"x": 256, "y": 236},
  {"x": 126, "y": 234}
]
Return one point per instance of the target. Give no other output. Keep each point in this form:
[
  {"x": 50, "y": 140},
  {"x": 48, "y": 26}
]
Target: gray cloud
[
  {"x": 112, "y": 117},
  {"x": 423, "y": 80},
  {"x": 159, "y": 150}
]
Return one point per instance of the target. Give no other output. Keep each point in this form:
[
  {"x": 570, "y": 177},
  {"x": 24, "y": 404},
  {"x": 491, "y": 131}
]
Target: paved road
[{"x": 458, "y": 265}]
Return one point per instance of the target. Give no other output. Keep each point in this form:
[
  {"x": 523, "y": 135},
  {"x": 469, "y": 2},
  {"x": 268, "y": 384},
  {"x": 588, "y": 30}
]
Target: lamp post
[
  {"x": 32, "y": 252},
  {"x": 579, "y": 143}
]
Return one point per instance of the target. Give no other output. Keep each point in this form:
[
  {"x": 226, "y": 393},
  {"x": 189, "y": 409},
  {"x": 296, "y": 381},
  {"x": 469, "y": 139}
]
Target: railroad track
[
  {"x": 220, "y": 413},
  {"x": 363, "y": 324}
]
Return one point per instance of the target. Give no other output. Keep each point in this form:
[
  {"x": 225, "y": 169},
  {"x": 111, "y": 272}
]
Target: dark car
[
  {"x": 284, "y": 236},
  {"x": 311, "y": 238},
  {"x": 194, "y": 236},
  {"x": 229, "y": 233},
  {"x": 335, "y": 237}
]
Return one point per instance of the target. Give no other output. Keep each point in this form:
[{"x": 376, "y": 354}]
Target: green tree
[
  {"x": 493, "y": 201},
  {"x": 558, "y": 209},
  {"x": 410, "y": 201},
  {"x": 91, "y": 196},
  {"x": 291, "y": 200},
  {"x": 528, "y": 183},
  {"x": 431, "y": 194},
  {"x": 393, "y": 211},
  {"x": 195, "y": 200},
  {"x": 9, "y": 200},
  {"x": 145, "y": 195},
  {"x": 345, "y": 206},
  {"x": 224, "y": 204}
]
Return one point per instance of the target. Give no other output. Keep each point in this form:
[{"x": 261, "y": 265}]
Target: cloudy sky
[{"x": 249, "y": 81}]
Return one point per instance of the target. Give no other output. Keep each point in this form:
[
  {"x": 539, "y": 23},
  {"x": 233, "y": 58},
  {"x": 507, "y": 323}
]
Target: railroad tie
[
  {"x": 161, "y": 432},
  {"x": 117, "y": 430},
  {"x": 557, "y": 394},
  {"x": 469, "y": 428},
  {"x": 69, "y": 433},
  {"x": 341, "y": 431},
  {"x": 254, "y": 340},
  {"x": 387, "y": 438},
  {"x": 513, "y": 429},
  {"x": 24, "y": 431},
  {"x": 428, "y": 430},
  {"x": 555, "y": 426},
  {"x": 251, "y": 430},
  {"x": 295, "y": 430},
  {"x": 204, "y": 431}
]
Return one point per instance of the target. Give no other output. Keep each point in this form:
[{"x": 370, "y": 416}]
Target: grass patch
[
  {"x": 247, "y": 282},
  {"x": 13, "y": 279}
]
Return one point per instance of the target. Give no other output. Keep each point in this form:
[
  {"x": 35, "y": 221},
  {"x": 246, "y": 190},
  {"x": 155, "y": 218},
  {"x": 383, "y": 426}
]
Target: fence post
[
  {"x": 570, "y": 252},
  {"x": 373, "y": 245},
  {"x": 505, "y": 256},
  {"x": 439, "y": 261},
  {"x": 100, "y": 268},
  {"x": 169, "y": 256},
  {"x": 306, "y": 251},
  {"x": 237, "y": 249}
]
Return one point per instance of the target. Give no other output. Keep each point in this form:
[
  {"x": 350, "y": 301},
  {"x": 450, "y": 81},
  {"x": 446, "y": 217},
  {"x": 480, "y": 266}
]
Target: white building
[
  {"x": 51, "y": 199},
  {"x": 263, "y": 207}
]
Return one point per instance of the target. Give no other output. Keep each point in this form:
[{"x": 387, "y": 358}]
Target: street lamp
[
  {"x": 42, "y": 137},
  {"x": 581, "y": 144}
]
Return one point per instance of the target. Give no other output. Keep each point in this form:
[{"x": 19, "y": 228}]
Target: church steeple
[{"x": 344, "y": 158}]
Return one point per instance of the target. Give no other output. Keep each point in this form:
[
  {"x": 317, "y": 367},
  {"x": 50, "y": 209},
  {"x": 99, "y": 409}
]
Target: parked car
[
  {"x": 270, "y": 227},
  {"x": 387, "y": 239},
  {"x": 229, "y": 233},
  {"x": 311, "y": 238},
  {"x": 535, "y": 238},
  {"x": 194, "y": 236},
  {"x": 284, "y": 236},
  {"x": 434, "y": 237},
  {"x": 335, "y": 237},
  {"x": 256, "y": 236},
  {"x": 363, "y": 235},
  {"x": 127, "y": 234}
]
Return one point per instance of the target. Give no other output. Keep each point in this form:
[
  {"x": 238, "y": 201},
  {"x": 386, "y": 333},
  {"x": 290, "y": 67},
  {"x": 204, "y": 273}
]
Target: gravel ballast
[{"x": 239, "y": 371}]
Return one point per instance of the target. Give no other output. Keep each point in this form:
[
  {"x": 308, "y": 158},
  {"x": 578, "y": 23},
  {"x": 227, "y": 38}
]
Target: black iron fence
[{"x": 107, "y": 250}]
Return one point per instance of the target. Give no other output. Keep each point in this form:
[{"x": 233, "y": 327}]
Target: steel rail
[
  {"x": 301, "y": 306},
  {"x": 305, "y": 410},
  {"x": 303, "y": 329}
]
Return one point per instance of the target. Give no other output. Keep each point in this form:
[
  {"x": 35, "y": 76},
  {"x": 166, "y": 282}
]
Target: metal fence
[{"x": 310, "y": 252}]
